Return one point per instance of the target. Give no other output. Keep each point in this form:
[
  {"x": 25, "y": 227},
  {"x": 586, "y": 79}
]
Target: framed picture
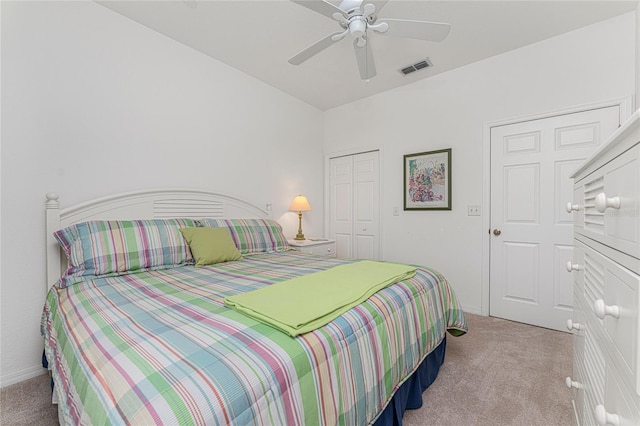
[{"x": 427, "y": 180}]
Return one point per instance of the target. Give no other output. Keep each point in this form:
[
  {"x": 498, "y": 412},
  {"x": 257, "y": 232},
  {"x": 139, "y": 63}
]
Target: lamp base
[{"x": 300, "y": 235}]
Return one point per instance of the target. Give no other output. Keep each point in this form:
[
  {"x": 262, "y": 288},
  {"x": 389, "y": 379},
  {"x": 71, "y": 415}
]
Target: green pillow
[{"x": 211, "y": 245}]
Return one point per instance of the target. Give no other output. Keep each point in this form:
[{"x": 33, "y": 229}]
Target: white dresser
[{"x": 606, "y": 276}]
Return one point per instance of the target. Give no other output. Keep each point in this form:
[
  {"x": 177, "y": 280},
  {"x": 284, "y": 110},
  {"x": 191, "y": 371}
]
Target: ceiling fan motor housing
[{"x": 357, "y": 26}]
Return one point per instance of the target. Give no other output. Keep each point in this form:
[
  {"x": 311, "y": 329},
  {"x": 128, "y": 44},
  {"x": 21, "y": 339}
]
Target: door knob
[{"x": 497, "y": 232}]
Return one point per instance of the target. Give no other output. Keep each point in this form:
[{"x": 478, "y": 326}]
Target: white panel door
[
  {"x": 354, "y": 205},
  {"x": 365, "y": 205},
  {"x": 532, "y": 233},
  {"x": 341, "y": 205}
]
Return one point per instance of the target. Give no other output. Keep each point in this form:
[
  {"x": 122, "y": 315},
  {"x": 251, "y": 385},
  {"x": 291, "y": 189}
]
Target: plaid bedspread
[{"x": 160, "y": 347}]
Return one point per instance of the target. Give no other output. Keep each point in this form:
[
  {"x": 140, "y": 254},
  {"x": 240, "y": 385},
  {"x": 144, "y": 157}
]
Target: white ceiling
[{"x": 258, "y": 37}]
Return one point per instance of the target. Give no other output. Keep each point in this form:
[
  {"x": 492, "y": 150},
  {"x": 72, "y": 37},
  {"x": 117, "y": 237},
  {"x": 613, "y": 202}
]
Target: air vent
[{"x": 417, "y": 66}]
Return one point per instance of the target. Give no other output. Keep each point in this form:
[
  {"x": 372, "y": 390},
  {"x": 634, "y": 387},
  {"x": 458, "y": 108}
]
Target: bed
[{"x": 136, "y": 333}]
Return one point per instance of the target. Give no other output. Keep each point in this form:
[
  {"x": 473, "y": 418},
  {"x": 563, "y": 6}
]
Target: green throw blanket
[{"x": 302, "y": 304}]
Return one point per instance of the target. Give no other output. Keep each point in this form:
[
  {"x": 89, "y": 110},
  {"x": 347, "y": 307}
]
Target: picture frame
[{"x": 427, "y": 180}]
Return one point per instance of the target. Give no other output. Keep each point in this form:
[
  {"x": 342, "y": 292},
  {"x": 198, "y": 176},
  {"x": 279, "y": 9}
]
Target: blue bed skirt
[{"x": 409, "y": 395}]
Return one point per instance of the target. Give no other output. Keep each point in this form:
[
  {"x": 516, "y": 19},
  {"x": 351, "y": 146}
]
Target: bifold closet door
[
  {"x": 341, "y": 205},
  {"x": 354, "y": 205}
]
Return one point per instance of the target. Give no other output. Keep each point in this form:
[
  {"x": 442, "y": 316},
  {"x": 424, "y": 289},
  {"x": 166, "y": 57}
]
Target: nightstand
[{"x": 320, "y": 246}]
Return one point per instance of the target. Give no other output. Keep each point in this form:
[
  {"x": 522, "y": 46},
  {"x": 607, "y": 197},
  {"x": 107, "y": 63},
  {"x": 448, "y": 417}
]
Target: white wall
[
  {"x": 637, "y": 97},
  {"x": 449, "y": 110},
  {"x": 94, "y": 104}
]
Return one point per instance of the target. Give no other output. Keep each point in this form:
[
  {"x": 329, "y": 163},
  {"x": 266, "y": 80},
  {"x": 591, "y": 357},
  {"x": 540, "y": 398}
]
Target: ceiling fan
[{"x": 359, "y": 19}]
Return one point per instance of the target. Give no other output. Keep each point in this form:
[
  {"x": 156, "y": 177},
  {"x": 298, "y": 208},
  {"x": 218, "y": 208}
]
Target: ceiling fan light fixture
[{"x": 357, "y": 27}]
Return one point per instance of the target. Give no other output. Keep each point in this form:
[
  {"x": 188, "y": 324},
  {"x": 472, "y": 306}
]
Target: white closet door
[
  {"x": 354, "y": 205},
  {"x": 366, "y": 207},
  {"x": 341, "y": 205}
]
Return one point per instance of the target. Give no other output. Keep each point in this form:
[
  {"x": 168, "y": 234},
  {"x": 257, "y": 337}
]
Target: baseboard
[
  {"x": 21, "y": 375},
  {"x": 472, "y": 310}
]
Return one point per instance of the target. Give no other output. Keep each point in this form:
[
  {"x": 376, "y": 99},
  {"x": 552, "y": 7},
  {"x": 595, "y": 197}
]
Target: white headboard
[{"x": 151, "y": 204}]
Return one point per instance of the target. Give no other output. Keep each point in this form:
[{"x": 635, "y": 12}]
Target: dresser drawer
[
  {"x": 328, "y": 249},
  {"x": 321, "y": 248},
  {"x": 621, "y": 326},
  {"x": 578, "y": 207},
  {"x": 576, "y": 382},
  {"x": 616, "y": 405},
  {"x": 601, "y": 396},
  {"x": 611, "y": 292},
  {"x": 588, "y": 274},
  {"x": 608, "y": 203},
  {"x": 594, "y": 372}
]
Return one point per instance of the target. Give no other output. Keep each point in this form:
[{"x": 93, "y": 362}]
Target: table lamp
[{"x": 300, "y": 204}]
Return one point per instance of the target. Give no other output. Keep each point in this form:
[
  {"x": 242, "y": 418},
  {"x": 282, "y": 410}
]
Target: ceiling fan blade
[
  {"x": 420, "y": 30},
  {"x": 322, "y": 7},
  {"x": 379, "y": 4},
  {"x": 314, "y": 49},
  {"x": 364, "y": 58}
]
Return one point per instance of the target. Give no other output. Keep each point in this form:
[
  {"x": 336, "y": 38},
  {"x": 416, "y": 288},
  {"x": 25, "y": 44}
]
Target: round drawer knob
[
  {"x": 572, "y": 207},
  {"x": 571, "y": 384},
  {"x": 573, "y": 325},
  {"x": 603, "y": 418},
  {"x": 572, "y": 266},
  {"x": 602, "y": 202},
  {"x": 601, "y": 310}
]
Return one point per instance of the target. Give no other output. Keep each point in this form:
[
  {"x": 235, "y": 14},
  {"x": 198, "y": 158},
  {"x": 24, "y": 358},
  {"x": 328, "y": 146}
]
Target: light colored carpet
[{"x": 500, "y": 373}]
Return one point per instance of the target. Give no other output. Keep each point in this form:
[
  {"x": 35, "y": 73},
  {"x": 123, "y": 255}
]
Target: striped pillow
[
  {"x": 113, "y": 247},
  {"x": 252, "y": 235}
]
